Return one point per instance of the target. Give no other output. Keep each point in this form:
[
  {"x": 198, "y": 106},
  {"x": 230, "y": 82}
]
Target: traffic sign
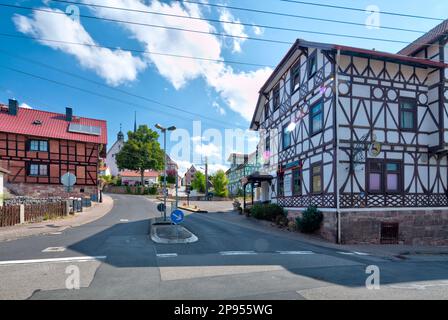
[
  {"x": 177, "y": 216},
  {"x": 161, "y": 207},
  {"x": 68, "y": 180}
]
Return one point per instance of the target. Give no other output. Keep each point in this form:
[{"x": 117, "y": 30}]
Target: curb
[
  {"x": 154, "y": 237},
  {"x": 192, "y": 210}
]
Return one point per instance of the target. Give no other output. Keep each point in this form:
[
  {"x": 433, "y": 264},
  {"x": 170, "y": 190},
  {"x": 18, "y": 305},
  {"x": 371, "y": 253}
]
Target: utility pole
[
  {"x": 163, "y": 129},
  {"x": 206, "y": 178}
]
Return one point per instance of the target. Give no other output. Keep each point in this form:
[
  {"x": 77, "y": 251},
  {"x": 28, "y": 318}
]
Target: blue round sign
[{"x": 177, "y": 216}]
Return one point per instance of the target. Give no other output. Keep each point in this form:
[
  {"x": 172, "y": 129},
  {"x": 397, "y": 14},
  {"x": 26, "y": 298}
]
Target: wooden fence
[
  {"x": 44, "y": 211},
  {"x": 10, "y": 214}
]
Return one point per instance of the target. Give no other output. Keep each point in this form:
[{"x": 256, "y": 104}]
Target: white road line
[
  {"x": 166, "y": 255},
  {"x": 346, "y": 253},
  {"x": 353, "y": 253},
  {"x": 55, "y": 233},
  {"x": 237, "y": 253},
  {"x": 295, "y": 252},
  {"x": 68, "y": 259},
  {"x": 124, "y": 220},
  {"x": 54, "y": 249},
  {"x": 361, "y": 253}
]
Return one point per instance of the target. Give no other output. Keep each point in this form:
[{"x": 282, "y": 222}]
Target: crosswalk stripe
[
  {"x": 166, "y": 255},
  {"x": 67, "y": 259},
  {"x": 54, "y": 249},
  {"x": 295, "y": 252},
  {"x": 237, "y": 253}
]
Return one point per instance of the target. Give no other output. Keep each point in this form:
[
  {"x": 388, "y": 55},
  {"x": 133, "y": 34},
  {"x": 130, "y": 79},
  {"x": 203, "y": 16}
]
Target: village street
[{"x": 116, "y": 259}]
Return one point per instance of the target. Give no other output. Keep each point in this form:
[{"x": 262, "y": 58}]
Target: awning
[{"x": 256, "y": 177}]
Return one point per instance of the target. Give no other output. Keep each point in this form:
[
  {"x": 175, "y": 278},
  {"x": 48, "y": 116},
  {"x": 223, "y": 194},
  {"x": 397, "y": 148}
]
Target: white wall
[
  {"x": 1, "y": 188},
  {"x": 110, "y": 158}
]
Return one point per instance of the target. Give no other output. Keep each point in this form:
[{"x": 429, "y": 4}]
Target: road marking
[
  {"x": 295, "y": 252},
  {"x": 54, "y": 249},
  {"x": 124, "y": 220},
  {"x": 55, "y": 233},
  {"x": 353, "y": 253},
  {"x": 166, "y": 255},
  {"x": 68, "y": 259},
  {"x": 237, "y": 253},
  {"x": 361, "y": 253}
]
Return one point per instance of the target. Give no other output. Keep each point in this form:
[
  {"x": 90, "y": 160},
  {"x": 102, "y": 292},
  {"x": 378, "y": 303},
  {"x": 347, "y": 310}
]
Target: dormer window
[
  {"x": 312, "y": 65},
  {"x": 295, "y": 77}
]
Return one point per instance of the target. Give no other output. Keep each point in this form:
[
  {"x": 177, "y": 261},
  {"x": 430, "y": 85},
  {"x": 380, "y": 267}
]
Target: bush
[
  {"x": 310, "y": 221},
  {"x": 138, "y": 190},
  {"x": 281, "y": 220},
  {"x": 128, "y": 189},
  {"x": 267, "y": 211},
  {"x": 152, "y": 190}
]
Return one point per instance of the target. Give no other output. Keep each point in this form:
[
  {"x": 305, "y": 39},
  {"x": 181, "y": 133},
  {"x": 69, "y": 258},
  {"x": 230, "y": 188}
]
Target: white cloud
[
  {"x": 25, "y": 106},
  {"x": 208, "y": 150},
  {"x": 218, "y": 108},
  {"x": 238, "y": 89},
  {"x": 257, "y": 30},
  {"x": 115, "y": 66},
  {"x": 233, "y": 29}
]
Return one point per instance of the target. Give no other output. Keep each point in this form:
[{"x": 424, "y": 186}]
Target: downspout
[{"x": 338, "y": 211}]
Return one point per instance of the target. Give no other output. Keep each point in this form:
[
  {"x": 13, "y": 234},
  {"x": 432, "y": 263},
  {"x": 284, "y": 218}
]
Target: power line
[
  {"x": 357, "y": 9},
  {"x": 155, "y": 25},
  {"x": 133, "y": 50},
  {"x": 216, "y": 33},
  {"x": 234, "y": 22},
  {"x": 113, "y": 98}
]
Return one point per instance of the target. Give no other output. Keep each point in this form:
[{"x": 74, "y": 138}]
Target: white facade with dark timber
[{"x": 363, "y": 135}]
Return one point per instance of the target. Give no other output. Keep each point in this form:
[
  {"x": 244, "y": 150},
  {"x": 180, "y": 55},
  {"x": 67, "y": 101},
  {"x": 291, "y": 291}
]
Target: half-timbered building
[
  {"x": 362, "y": 135},
  {"x": 39, "y": 147}
]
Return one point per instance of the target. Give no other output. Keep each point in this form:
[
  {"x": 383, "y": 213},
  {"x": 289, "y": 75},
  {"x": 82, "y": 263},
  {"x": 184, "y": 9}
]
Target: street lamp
[{"x": 163, "y": 129}]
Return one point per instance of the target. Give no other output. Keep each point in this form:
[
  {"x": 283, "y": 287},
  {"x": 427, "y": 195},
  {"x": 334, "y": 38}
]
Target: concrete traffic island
[{"x": 168, "y": 233}]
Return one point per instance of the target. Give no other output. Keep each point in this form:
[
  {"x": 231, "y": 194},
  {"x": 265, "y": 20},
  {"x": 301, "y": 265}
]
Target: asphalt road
[{"x": 115, "y": 259}]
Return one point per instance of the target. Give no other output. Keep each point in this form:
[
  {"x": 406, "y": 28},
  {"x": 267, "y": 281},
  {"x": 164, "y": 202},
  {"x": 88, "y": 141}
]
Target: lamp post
[{"x": 163, "y": 129}]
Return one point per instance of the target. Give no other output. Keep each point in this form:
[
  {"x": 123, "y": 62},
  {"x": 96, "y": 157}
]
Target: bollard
[
  {"x": 22, "y": 214},
  {"x": 67, "y": 207}
]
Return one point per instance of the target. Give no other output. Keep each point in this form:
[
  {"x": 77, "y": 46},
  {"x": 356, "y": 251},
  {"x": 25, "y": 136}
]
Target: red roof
[
  {"x": 53, "y": 125},
  {"x": 132, "y": 174}
]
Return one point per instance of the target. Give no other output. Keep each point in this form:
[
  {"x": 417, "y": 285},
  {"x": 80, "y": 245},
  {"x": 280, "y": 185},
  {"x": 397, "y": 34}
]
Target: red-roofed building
[
  {"x": 38, "y": 147},
  {"x": 130, "y": 178}
]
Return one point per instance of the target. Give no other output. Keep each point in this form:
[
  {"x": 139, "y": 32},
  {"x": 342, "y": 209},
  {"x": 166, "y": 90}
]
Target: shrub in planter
[
  {"x": 310, "y": 220},
  {"x": 292, "y": 226},
  {"x": 267, "y": 211}
]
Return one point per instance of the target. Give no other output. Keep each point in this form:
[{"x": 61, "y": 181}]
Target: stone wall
[
  {"x": 418, "y": 227},
  {"x": 49, "y": 190}
]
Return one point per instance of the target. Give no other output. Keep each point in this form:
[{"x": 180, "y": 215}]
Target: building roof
[
  {"x": 299, "y": 44},
  {"x": 53, "y": 125},
  {"x": 425, "y": 40},
  {"x": 133, "y": 174}
]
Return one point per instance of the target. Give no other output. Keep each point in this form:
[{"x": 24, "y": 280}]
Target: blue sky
[{"x": 223, "y": 94}]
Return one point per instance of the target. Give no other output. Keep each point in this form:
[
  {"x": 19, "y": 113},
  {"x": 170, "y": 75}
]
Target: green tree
[
  {"x": 220, "y": 182},
  {"x": 198, "y": 182},
  {"x": 141, "y": 152}
]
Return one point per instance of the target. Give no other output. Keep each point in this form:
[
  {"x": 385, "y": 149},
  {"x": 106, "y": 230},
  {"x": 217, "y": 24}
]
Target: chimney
[
  {"x": 68, "y": 114},
  {"x": 13, "y": 107}
]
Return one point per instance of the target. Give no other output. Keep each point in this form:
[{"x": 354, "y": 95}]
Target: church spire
[
  {"x": 120, "y": 135},
  {"x": 135, "y": 121}
]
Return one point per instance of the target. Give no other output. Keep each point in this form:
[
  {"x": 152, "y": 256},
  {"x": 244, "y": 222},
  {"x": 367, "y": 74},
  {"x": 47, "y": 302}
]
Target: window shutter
[
  {"x": 27, "y": 167},
  {"x": 27, "y": 145}
]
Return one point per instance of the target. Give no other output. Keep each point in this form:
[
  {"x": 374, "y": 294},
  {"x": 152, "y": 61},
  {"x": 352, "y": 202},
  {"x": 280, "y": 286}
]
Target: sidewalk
[
  {"x": 93, "y": 213},
  {"x": 387, "y": 251}
]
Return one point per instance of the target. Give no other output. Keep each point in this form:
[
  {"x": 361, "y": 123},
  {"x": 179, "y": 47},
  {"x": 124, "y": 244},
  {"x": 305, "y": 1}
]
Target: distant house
[
  {"x": 111, "y": 162},
  {"x": 132, "y": 178},
  {"x": 189, "y": 175},
  {"x": 3, "y": 172},
  {"x": 38, "y": 147},
  {"x": 241, "y": 165}
]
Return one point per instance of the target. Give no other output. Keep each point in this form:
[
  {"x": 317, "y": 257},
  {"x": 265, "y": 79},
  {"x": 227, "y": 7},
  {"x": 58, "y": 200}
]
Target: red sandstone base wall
[
  {"x": 49, "y": 190},
  {"x": 416, "y": 227}
]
